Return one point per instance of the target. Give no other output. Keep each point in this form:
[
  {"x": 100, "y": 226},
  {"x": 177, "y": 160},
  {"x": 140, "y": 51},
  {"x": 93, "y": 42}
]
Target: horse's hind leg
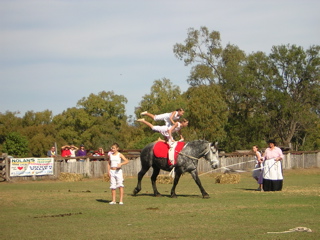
[
  {"x": 153, "y": 181},
  {"x": 140, "y": 176},
  {"x": 196, "y": 178}
]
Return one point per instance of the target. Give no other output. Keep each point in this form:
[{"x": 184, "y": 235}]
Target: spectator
[
  {"x": 81, "y": 153},
  {"x": 98, "y": 153},
  {"x": 101, "y": 153},
  {"x": 52, "y": 152},
  {"x": 73, "y": 150},
  {"x": 65, "y": 151}
]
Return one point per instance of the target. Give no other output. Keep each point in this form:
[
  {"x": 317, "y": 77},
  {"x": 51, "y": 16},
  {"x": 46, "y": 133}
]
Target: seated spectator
[
  {"x": 81, "y": 153},
  {"x": 52, "y": 152}
]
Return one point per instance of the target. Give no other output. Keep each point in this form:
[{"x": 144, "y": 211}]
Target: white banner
[{"x": 31, "y": 166}]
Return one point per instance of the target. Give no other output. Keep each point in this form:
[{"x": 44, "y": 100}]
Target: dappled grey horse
[{"x": 187, "y": 161}]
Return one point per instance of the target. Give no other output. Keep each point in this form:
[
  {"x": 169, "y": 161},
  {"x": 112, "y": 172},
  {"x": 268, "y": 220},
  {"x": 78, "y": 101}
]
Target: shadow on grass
[
  {"x": 165, "y": 195},
  {"x": 102, "y": 201},
  {"x": 248, "y": 189}
]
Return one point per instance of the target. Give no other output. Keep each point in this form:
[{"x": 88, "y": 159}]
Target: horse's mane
[{"x": 197, "y": 142}]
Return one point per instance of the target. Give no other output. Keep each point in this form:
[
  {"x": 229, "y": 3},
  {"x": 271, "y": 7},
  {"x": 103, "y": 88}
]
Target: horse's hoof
[
  {"x": 174, "y": 196},
  {"x": 158, "y": 195},
  {"x": 206, "y": 196},
  {"x": 135, "y": 191}
]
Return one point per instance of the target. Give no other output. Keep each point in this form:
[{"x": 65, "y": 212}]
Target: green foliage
[
  {"x": 9, "y": 122},
  {"x": 203, "y": 48},
  {"x": 142, "y": 142},
  {"x": 16, "y": 145},
  {"x": 274, "y": 96},
  {"x": 106, "y": 104},
  {"x": 31, "y": 118},
  {"x": 207, "y": 113},
  {"x": 293, "y": 95},
  {"x": 163, "y": 97}
]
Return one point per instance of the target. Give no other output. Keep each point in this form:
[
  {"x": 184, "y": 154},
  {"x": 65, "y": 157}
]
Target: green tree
[
  {"x": 9, "y": 122},
  {"x": 107, "y": 111},
  {"x": 202, "y": 50},
  {"x": 244, "y": 88},
  {"x": 105, "y": 104},
  {"x": 96, "y": 121},
  {"x": 32, "y": 118},
  {"x": 16, "y": 145},
  {"x": 236, "y": 73},
  {"x": 268, "y": 96},
  {"x": 294, "y": 92},
  {"x": 40, "y": 132},
  {"x": 208, "y": 113},
  {"x": 163, "y": 97}
]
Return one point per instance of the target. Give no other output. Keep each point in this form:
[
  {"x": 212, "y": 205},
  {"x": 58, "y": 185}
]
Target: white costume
[
  {"x": 272, "y": 171},
  {"x": 166, "y": 118},
  {"x": 164, "y": 130},
  {"x": 116, "y": 176}
]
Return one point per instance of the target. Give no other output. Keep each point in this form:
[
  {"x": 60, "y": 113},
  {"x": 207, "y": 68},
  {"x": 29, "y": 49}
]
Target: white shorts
[
  {"x": 116, "y": 179},
  {"x": 165, "y": 117},
  {"x": 162, "y": 129}
]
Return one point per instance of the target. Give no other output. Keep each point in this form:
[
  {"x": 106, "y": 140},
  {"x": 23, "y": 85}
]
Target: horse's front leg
[
  {"x": 140, "y": 176},
  {"x": 154, "y": 180},
  {"x": 175, "y": 183},
  {"x": 196, "y": 178}
]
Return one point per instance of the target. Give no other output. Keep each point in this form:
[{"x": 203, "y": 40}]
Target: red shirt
[{"x": 65, "y": 153}]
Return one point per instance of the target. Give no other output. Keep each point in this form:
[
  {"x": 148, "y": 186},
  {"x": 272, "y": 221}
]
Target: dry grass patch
[
  {"x": 164, "y": 179},
  {"x": 307, "y": 191},
  {"x": 227, "y": 178},
  {"x": 70, "y": 177}
]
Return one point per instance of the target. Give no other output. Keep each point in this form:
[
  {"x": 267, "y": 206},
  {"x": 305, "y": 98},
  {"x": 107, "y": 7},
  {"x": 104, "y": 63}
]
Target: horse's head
[{"x": 212, "y": 155}]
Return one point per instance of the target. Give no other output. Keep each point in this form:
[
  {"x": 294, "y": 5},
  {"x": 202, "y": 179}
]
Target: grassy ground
[{"x": 80, "y": 210}]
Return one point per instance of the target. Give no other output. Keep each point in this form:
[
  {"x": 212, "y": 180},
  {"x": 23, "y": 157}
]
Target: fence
[{"x": 97, "y": 168}]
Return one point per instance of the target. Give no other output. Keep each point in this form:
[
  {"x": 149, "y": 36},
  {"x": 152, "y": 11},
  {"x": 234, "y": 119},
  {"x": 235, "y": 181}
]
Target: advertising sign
[{"x": 31, "y": 166}]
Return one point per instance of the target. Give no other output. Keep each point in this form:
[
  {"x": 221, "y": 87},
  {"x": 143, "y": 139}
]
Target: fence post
[
  {"x": 222, "y": 162},
  {"x": 288, "y": 161},
  {"x": 7, "y": 168},
  {"x": 87, "y": 167},
  {"x": 318, "y": 159}
]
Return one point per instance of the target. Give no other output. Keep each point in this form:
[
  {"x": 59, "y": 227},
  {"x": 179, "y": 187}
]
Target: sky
[{"x": 55, "y": 52}]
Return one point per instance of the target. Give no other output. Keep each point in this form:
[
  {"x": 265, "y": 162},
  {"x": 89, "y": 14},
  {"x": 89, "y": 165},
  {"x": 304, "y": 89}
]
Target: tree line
[{"x": 236, "y": 98}]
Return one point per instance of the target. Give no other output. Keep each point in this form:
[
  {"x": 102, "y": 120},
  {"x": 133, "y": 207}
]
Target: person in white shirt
[
  {"x": 168, "y": 118},
  {"x": 257, "y": 171},
  {"x": 167, "y": 131},
  {"x": 115, "y": 162}
]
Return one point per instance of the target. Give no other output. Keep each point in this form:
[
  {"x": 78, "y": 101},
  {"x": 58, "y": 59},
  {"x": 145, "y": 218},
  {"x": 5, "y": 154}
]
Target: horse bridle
[{"x": 202, "y": 154}]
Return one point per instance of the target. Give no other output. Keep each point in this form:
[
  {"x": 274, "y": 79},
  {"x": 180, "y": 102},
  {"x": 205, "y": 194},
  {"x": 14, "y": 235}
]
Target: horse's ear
[{"x": 215, "y": 144}]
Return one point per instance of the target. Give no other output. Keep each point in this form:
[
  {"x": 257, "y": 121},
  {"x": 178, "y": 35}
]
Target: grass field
[{"x": 81, "y": 210}]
